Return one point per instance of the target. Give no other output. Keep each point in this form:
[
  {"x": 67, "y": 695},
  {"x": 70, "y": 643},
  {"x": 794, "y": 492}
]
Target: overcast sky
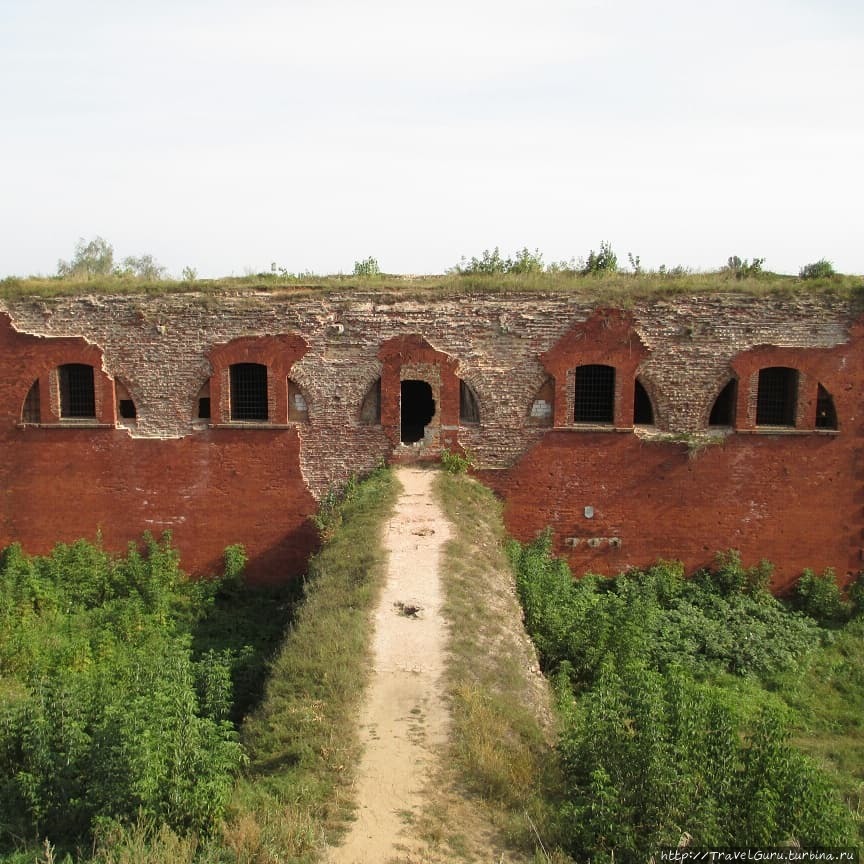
[{"x": 312, "y": 133}]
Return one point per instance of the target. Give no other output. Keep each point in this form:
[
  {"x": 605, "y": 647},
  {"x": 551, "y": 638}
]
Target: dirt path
[{"x": 404, "y": 719}]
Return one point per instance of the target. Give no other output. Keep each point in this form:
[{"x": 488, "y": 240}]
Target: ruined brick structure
[{"x": 676, "y": 427}]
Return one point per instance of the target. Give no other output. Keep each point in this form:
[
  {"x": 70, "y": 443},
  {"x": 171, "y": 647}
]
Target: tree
[
  {"x": 604, "y": 261},
  {"x": 144, "y": 267},
  {"x": 95, "y": 258},
  {"x": 367, "y": 268}
]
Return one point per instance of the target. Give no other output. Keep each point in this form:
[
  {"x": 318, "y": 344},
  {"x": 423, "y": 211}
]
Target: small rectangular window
[
  {"x": 77, "y": 394},
  {"x": 249, "y": 392},
  {"x": 776, "y": 396},
  {"x": 204, "y": 408},
  {"x": 595, "y": 394}
]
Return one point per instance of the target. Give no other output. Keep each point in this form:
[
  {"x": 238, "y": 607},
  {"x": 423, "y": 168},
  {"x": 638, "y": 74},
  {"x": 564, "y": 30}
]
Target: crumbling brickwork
[{"x": 790, "y": 494}]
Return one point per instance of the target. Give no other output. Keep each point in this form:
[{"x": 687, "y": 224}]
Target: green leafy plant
[
  {"x": 604, "y": 261},
  {"x": 741, "y": 268},
  {"x": 820, "y": 269},
  {"x": 454, "y": 462},
  {"x": 367, "y": 268}
]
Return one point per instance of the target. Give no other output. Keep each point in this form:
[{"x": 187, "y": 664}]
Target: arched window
[
  {"x": 31, "y": 411},
  {"x": 469, "y": 404},
  {"x": 249, "y": 392},
  {"x": 594, "y": 399},
  {"x": 643, "y": 410},
  {"x": 725, "y": 405},
  {"x": 777, "y": 396},
  {"x": 77, "y": 391},
  {"x": 826, "y": 413}
]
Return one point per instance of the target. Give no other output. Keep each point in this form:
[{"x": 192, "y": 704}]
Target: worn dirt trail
[{"x": 404, "y": 718}]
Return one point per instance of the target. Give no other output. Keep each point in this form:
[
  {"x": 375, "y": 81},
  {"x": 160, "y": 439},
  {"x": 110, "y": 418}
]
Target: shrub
[
  {"x": 742, "y": 268},
  {"x": 367, "y": 268},
  {"x": 454, "y": 462},
  {"x": 820, "y": 597},
  {"x": 491, "y": 263},
  {"x": 604, "y": 261},
  {"x": 112, "y": 715},
  {"x": 817, "y": 270}
]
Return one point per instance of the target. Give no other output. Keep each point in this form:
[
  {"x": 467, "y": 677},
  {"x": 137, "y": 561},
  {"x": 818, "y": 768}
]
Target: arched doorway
[{"x": 417, "y": 408}]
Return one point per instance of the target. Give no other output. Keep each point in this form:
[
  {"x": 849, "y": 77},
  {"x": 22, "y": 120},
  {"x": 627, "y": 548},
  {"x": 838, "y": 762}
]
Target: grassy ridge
[
  {"x": 502, "y": 720},
  {"x": 616, "y": 287},
  {"x": 302, "y": 739}
]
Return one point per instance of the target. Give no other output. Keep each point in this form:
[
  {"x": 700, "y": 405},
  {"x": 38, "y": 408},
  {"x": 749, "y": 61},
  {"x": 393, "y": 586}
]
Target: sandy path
[{"x": 404, "y": 717}]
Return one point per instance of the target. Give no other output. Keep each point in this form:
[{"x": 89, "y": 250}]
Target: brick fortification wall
[{"x": 615, "y": 495}]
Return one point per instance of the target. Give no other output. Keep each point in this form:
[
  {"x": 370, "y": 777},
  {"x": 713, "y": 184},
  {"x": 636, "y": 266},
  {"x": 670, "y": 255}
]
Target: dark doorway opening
[{"x": 418, "y": 408}]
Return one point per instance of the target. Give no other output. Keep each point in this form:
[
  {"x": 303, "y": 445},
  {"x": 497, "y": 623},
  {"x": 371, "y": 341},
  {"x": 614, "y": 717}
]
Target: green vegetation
[
  {"x": 744, "y": 269},
  {"x": 454, "y": 462},
  {"x": 597, "y": 278},
  {"x": 367, "y": 268},
  {"x": 134, "y": 718},
  {"x": 678, "y": 699},
  {"x": 604, "y": 261},
  {"x": 108, "y": 712},
  {"x": 96, "y": 258},
  {"x": 501, "y": 712},
  {"x": 820, "y": 269},
  {"x": 302, "y": 739}
]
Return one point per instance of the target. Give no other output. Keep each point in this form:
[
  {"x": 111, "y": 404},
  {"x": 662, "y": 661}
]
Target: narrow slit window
[
  {"x": 826, "y": 413},
  {"x": 776, "y": 396},
  {"x": 77, "y": 393},
  {"x": 643, "y": 410},
  {"x": 249, "y": 392},
  {"x": 469, "y": 405},
  {"x": 723, "y": 409},
  {"x": 594, "y": 400},
  {"x": 32, "y": 412}
]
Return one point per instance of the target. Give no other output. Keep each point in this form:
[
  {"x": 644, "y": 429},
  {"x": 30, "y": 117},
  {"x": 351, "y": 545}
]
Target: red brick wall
[{"x": 790, "y": 495}]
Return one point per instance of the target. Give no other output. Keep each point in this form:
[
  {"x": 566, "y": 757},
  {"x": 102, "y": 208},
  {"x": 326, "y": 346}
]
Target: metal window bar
[
  {"x": 826, "y": 413},
  {"x": 32, "y": 413},
  {"x": 77, "y": 394},
  {"x": 249, "y": 392},
  {"x": 595, "y": 394},
  {"x": 776, "y": 396}
]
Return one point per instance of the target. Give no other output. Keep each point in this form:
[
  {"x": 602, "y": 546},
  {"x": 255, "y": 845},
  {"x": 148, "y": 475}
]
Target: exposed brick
[{"x": 793, "y": 498}]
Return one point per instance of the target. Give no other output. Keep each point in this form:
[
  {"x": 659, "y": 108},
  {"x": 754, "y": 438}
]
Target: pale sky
[{"x": 225, "y": 135}]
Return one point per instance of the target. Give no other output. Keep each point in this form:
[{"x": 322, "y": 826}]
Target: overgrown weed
[{"x": 502, "y": 725}]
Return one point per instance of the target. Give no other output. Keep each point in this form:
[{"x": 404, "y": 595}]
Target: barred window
[
  {"x": 776, "y": 396},
  {"x": 77, "y": 392},
  {"x": 249, "y": 392},
  {"x": 595, "y": 394}
]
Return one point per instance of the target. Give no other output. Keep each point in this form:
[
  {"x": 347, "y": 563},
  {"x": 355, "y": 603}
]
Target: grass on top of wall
[{"x": 620, "y": 287}]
